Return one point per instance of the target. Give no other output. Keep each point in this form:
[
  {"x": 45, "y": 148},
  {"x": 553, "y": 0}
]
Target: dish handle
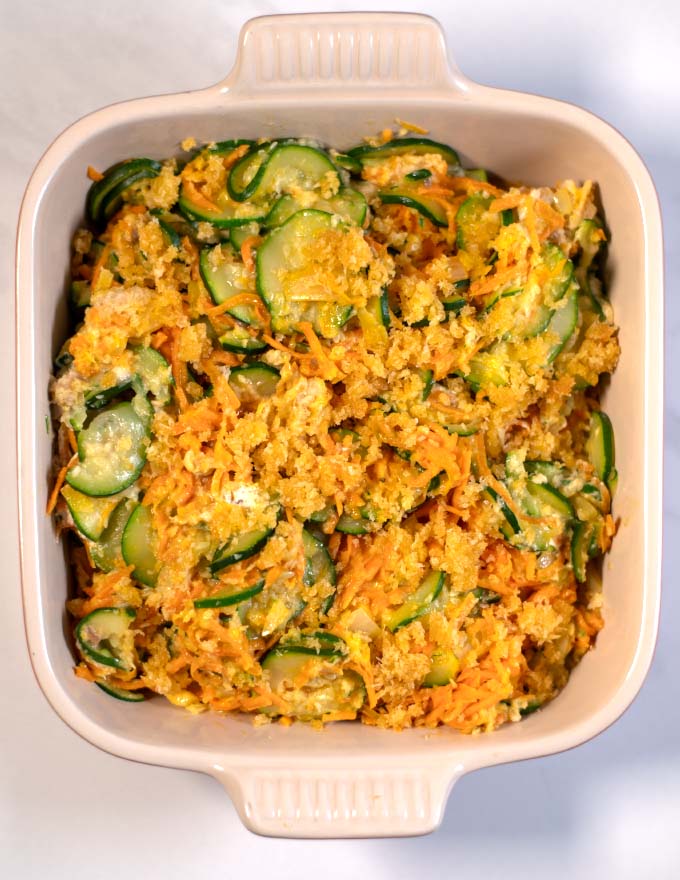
[
  {"x": 345, "y": 50},
  {"x": 336, "y": 803}
]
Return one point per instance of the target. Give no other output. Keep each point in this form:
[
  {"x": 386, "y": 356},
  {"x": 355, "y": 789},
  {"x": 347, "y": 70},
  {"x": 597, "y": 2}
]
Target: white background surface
[{"x": 609, "y": 809}]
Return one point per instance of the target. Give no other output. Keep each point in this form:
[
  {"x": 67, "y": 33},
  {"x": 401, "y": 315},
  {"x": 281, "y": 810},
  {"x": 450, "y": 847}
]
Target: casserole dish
[{"x": 336, "y": 78}]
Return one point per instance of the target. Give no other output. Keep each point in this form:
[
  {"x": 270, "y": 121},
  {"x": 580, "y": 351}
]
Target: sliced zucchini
[
  {"x": 418, "y": 604},
  {"x": 454, "y": 304},
  {"x": 477, "y": 227},
  {"x": 226, "y": 278},
  {"x": 559, "y": 271},
  {"x": 233, "y": 596},
  {"x": 272, "y": 610},
  {"x": 224, "y": 148},
  {"x": 106, "y": 552},
  {"x": 239, "y": 234},
  {"x": 138, "y": 545},
  {"x": 223, "y": 212},
  {"x": 105, "y": 196},
  {"x": 547, "y": 496},
  {"x": 411, "y": 196},
  {"x": 111, "y": 452},
  {"x": 600, "y": 445},
  {"x": 348, "y": 203},
  {"x": 154, "y": 372},
  {"x": 80, "y": 292},
  {"x": 477, "y": 174},
  {"x": 427, "y": 377},
  {"x": 580, "y": 546},
  {"x": 485, "y": 597},
  {"x": 511, "y": 524},
  {"x": 379, "y": 309},
  {"x": 282, "y": 269},
  {"x": 350, "y": 524},
  {"x": 349, "y": 163},
  {"x": 240, "y": 341},
  {"x": 120, "y": 693},
  {"x": 97, "y": 398},
  {"x": 278, "y": 170},
  {"x": 563, "y": 323},
  {"x": 488, "y": 368},
  {"x": 104, "y": 637},
  {"x": 318, "y": 563},
  {"x": 419, "y": 174},
  {"x": 310, "y": 677},
  {"x": 239, "y": 548},
  {"x": 90, "y": 515},
  {"x": 254, "y": 382},
  {"x": 403, "y": 146},
  {"x": 444, "y": 667}
]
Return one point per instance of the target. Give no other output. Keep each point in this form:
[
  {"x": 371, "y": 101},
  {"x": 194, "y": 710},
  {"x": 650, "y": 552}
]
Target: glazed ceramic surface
[{"x": 337, "y": 77}]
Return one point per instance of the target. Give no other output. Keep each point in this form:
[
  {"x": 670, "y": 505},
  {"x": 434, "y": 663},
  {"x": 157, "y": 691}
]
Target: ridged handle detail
[
  {"x": 340, "y": 50},
  {"x": 331, "y": 803}
]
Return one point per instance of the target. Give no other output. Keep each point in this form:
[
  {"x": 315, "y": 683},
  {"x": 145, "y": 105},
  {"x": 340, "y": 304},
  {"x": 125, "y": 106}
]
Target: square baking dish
[{"x": 337, "y": 77}]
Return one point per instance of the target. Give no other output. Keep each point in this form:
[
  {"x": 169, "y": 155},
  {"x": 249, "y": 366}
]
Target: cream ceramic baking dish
[{"x": 337, "y": 77}]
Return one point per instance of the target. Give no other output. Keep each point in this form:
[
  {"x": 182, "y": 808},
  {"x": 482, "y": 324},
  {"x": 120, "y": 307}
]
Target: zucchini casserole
[{"x": 329, "y": 444}]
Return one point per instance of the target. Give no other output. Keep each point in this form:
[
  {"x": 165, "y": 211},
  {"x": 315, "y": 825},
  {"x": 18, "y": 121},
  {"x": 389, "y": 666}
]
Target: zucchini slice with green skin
[
  {"x": 225, "y": 214},
  {"x": 476, "y": 226},
  {"x": 351, "y": 525},
  {"x": 418, "y": 604},
  {"x": 560, "y": 273},
  {"x": 410, "y": 195},
  {"x": 379, "y": 308},
  {"x": 283, "y": 254},
  {"x": 427, "y": 377},
  {"x": 580, "y": 546},
  {"x": 487, "y": 368},
  {"x": 511, "y": 526},
  {"x": 318, "y": 567},
  {"x": 419, "y": 174},
  {"x": 600, "y": 445},
  {"x": 453, "y": 304},
  {"x": 105, "y": 196},
  {"x": 254, "y": 382},
  {"x": 563, "y": 323},
  {"x": 80, "y": 292},
  {"x": 138, "y": 546},
  {"x": 330, "y": 688},
  {"x": 239, "y": 548},
  {"x": 233, "y": 596},
  {"x": 154, "y": 373},
  {"x": 111, "y": 452},
  {"x": 368, "y": 155},
  {"x": 444, "y": 667},
  {"x": 104, "y": 637},
  {"x": 240, "y": 341},
  {"x": 107, "y": 552},
  {"x": 349, "y": 163},
  {"x": 349, "y": 204},
  {"x": 318, "y": 563},
  {"x": 547, "y": 496},
  {"x": 277, "y": 170},
  {"x": 120, "y": 693},
  {"x": 223, "y": 148},
  {"x": 226, "y": 279},
  {"x": 100, "y": 397},
  {"x": 90, "y": 515},
  {"x": 238, "y": 234}
]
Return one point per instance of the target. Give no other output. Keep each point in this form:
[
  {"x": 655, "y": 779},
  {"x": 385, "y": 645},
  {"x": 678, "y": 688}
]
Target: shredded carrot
[
  {"x": 94, "y": 175},
  {"x": 58, "y": 483},
  {"x": 505, "y": 202},
  {"x": 247, "y": 251}
]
